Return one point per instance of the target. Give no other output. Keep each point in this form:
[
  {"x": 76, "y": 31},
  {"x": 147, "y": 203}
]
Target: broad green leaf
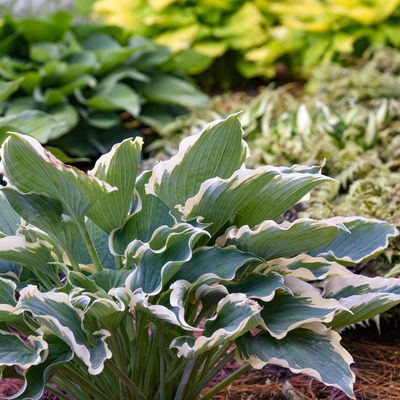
[
  {"x": 8, "y": 88},
  {"x": 235, "y": 315},
  {"x": 101, "y": 119},
  {"x": 81, "y": 82},
  {"x": 365, "y": 297},
  {"x": 67, "y": 116},
  {"x": 50, "y": 98},
  {"x": 367, "y": 238},
  {"x": 287, "y": 311},
  {"x": 257, "y": 286},
  {"x": 119, "y": 169},
  {"x": 35, "y": 123},
  {"x": 56, "y": 313},
  {"x": 282, "y": 193},
  {"x": 271, "y": 240},
  {"x": 46, "y": 213},
  {"x": 312, "y": 350},
  {"x": 217, "y": 151},
  {"x": 14, "y": 351},
  {"x": 112, "y": 98},
  {"x": 156, "y": 262},
  {"x": 170, "y": 89},
  {"x": 37, "y": 376},
  {"x": 21, "y": 103},
  {"x": 9, "y": 219},
  {"x": 63, "y": 157},
  {"x": 7, "y": 304},
  {"x": 109, "y": 279},
  {"x": 306, "y": 268},
  {"x": 37, "y": 255},
  {"x": 142, "y": 224},
  {"x": 31, "y": 168},
  {"x": 121, "y": 73},
  {"x": 219, "y": 199},
  {"x": 209, "y": 265}
]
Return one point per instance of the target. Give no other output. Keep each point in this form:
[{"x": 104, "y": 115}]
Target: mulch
[{"x": 376, "y": 365}]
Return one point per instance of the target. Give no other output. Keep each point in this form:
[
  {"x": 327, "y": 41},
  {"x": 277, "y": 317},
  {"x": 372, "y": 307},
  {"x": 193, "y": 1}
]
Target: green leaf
[
  {"x": 170, "y": 89},
  {"x": 65, "y": 158},
  {"x": 31, "y": 168},
  {"x": 142, "y": 224},
  {"x": 306, "y": 268},
  {"x": 219, "y": 199},
  {"x": 112, "y": 98},
  {"x": 287, "y": 311},
  {"x": 56, "y": 313},
  {"x": 282, "y": 193},
  {"x": 46, "y": 213},
  {"x": 271, "y": 240},
  {"x": 14, "y": 351},
  {"x": 235, "y": 315},
  {"x": 217, "y": 151},
  {"x": 67, "y": 116},
  {"x": 119, "y": 169},
  {"x": 367, "y": 239},
  {"x": 8, "y": 88},
  {"x": 157, "y": 261},
  {"x": 9, "y": 219},
  {"x": 312, "y": 350},
  {"x": 365, "y": 297},
  {"x": 34, "y": 123}
]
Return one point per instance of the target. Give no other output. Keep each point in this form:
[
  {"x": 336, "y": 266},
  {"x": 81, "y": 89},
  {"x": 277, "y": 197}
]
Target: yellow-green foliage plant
[
  {"x": 136, "y": 287},
  {"x": 261, "y": 32}
]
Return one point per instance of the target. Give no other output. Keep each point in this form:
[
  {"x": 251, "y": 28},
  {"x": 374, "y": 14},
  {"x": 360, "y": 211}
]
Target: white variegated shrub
[{"x": 138, "y": 287}]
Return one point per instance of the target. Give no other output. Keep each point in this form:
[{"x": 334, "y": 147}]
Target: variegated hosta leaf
[
  {"x": 271, "y": 240},
  {"x": 31, "y": 168},
  {"x": 286, "y": 312},
  {"x": 56, "y": 313},
  {"x": 219, "y": 199},
  {"x": 9, "y": 219},
  {"x": 365, "y": 297},
  {"x": 235, "y": 315},
  {"x": 46, "y": 213},
  {"x": 32, "y": 255},
  {"x": 109, "y": 279},
  {"x": 8, "y": 302},
  {"x": 142, "y": 224},
  {"x": 213, "y": 264},
  {"x": 171, "y": 311},
  {"x": 37, "y": 376},
  {"x": 282, "y": 193},
  {"x": 312, "y": 350},
  {"x": 367, "y": 239},
  {"x": 100, "y": 241},
  {"x": 210, "y": 295},
  {"x": 156, "y": 262},
  {"x": 217, "y": 151},
  {"x": 257, "y": 286},
  {"x": 14, "y": 351},
  {"x": 119, "y": 169},
  {"x": 305, "y": 267}
]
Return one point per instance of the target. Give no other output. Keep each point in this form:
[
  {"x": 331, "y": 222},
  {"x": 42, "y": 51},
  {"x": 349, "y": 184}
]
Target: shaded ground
[{"x": 377, "y": 367}]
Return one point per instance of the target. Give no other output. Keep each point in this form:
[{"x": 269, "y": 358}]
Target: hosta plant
[{"x": 115, "y": 286}]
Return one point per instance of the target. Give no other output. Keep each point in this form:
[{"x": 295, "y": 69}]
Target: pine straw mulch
[{"x": 377, "y": 367}]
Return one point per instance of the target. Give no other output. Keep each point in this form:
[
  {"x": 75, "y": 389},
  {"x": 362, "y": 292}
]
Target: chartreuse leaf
[
  {"x": 14, "y": 351},
  {"x": 217, "y": 151},
  {"x": 219, "y": 199},
  {"x": 212, "y": 264},
  {"x": 119, "y": 169},
  {"x": 235, "y": 315},
  {"x": 46, "y": 213},
  {"x": 55, "y": 312},
  {"x": 271, "y": 240},
  {"x": 287, "y": 311},
  {"x": 157, "y": 261},
  {"x": 31, "y": 168},
  {"x": 37, "y": 376},
  {"x": 312, "y": 350},
  {"x": 32, "y": 255},
  {"x": 142, "y": 224},
  {"x": 367, "y": 238},
  {"x": 365, "y": 297},
  {"x": 282, "y": 193},
  {"x": 306, "y": 267}
]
